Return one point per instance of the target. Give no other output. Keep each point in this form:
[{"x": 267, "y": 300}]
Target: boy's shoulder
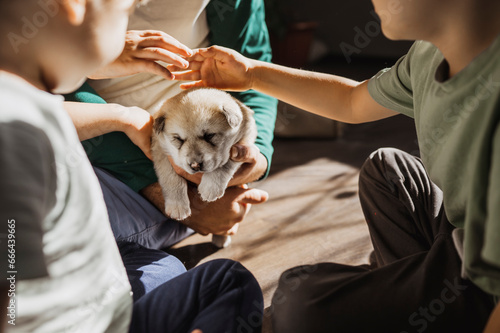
[
  {"x": 23, "y": 102},
  {"x": 424, "y": 55}
]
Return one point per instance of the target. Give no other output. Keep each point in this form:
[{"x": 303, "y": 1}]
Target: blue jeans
[
  {"x": 220, "y": 296},
  {"x": 135, "y": 219},
  {"x": 147, "y": 268}
]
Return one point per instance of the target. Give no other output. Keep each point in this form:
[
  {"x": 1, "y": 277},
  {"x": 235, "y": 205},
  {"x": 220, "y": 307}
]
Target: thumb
[
  {"x": 253, "y": 196},
  {"x": 154, "y": 68},
  {"x": 244, "y": 153},
  {"x": 194, "y": 84}
]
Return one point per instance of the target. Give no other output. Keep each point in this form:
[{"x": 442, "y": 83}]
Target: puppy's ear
[
  {"x": 159, "y": 124},
  {"x": 233, "y": 115},
  {"x": 244, "y": 108}
]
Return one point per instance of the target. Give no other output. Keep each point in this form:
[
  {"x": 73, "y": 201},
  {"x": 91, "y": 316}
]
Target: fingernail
[
  {"x": 264, "y": 196},
  {"x": 234, "y": 152}
]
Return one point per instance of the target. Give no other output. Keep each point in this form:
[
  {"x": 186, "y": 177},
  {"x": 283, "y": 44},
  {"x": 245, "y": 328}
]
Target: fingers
[
  {"x": 195, "y": 84},
  {"x": 234, "y": 228},
  {"x": 253, "y": 196},
  {"x": 217, "y": 52},
  {"x": 244, "y": 153},
  {"x": 157, "y": 46},
  {"x": 155, "y": 38},
  {"x": 193, "y": 66},
  {"x": 186, "y": 75},
  {"x": 154, "y": 68},
  {"x": 193, "y": 178},
  {"x": 156, "y": 53}
]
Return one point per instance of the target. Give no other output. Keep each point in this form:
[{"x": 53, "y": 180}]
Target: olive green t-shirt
[{"x": 457, "y": 122}]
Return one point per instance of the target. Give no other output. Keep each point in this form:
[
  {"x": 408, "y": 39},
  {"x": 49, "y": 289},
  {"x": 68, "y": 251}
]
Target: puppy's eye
[
  {"x": 179, "y": 141},
  {"x": 208, "y": 137}
]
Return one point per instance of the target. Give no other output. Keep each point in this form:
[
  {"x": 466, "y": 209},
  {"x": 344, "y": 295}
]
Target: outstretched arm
[{"x": 327, "y": 95}]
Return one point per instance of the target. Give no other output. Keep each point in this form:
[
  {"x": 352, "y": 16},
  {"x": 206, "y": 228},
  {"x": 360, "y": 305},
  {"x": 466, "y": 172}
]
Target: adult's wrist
[{"x": 262, "y": 164}]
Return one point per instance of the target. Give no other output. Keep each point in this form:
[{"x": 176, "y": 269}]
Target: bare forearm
[
  {"x": 323, "y": 94},
  {"x": 153, "y": 194},
  {"x": 330, "y": 96},
  {"x": 92, "y": 120}
]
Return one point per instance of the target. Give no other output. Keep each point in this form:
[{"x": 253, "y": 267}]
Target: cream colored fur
[{"x": 197, "y": 128}]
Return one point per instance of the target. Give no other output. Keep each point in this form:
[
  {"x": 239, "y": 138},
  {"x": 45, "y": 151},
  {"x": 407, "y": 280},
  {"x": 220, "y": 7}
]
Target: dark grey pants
[{"x": 416, "y": 286}]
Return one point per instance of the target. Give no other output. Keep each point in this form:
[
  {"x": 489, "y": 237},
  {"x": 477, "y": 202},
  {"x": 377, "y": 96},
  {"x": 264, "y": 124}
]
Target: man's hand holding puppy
[
  {"x": 216, "y": 217},
  {"x": 254, "y": 166},
  {"x": 220, "y": 216},
  {"x": 237, "y": 200}
]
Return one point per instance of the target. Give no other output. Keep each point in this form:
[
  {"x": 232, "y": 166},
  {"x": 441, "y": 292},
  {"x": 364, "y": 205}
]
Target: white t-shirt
[
  {"x": 86, "y": 289},
  {"x": 184, "y": 20}
]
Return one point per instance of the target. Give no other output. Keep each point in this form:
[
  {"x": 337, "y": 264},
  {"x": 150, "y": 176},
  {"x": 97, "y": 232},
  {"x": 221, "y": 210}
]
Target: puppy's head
[{"x": 198, "y": 127}]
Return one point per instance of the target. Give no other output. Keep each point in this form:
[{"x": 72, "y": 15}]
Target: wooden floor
[{"x": 313, "y": 214}]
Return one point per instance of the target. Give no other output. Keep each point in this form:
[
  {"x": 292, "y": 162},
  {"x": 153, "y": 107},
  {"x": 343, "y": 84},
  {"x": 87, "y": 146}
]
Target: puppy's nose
[{"x": 196, "y": 166}]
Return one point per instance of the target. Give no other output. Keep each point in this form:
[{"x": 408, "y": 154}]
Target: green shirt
[
  {"x": 457, "y": 123},
  {"x": 241, "y": 25},
  {"x": 236, "y": 24}
]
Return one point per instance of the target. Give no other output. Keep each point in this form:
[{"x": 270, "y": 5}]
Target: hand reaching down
[{"x": 142, "y": 50}]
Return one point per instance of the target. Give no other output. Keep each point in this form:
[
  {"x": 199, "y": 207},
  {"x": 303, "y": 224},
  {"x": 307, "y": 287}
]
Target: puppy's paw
[
  {"x": 177, "y": 211},
  {"x": 210, "y": 191}
]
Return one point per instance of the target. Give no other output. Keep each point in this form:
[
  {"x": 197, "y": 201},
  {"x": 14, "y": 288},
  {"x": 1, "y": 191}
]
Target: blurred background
[{"x": 337, "y": 37}]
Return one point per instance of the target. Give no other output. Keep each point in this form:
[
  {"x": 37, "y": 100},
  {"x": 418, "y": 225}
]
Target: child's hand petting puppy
[
  {"x": 142, "y": 49},
  {"x": 217, "y": 67}
]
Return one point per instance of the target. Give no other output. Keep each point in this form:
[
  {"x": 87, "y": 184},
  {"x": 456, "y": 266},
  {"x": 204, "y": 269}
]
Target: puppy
[{"x": 197, "y": 129}]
